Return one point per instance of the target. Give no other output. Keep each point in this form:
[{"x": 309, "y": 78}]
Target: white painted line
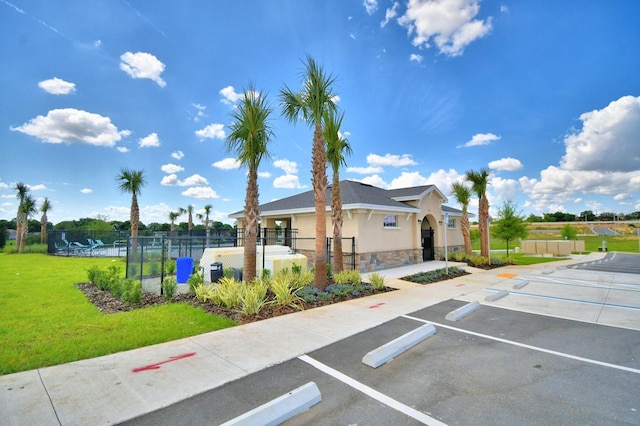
[
  {"x": 520, "y": 284},
  {"x": 534, "y": 348},
  {"x": 378, "y": 396},
  {"x": 463, "y": 311},
  {"x": 548, "y": 271},
  {"x": 390, "y": 350},
  {"x": 280, "y": 409},
  {"x": 496, "y": 296}
]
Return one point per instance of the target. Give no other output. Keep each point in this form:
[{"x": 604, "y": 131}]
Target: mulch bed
[{"x": 105, "y": 302}]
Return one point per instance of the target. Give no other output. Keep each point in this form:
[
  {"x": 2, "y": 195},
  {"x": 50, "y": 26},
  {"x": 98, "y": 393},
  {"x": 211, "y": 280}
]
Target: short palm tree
[
  {"x": 172, "y": 218},
  {"x": 22, "y": 190},
  {"x": 131, "y": 182},
  {"x": 337, "y": 148},
  {"x": 205, "y": 218},
  {"x": 44, "y": 208},
  {"x": 248, "y": 140},
  {"x": 27, "y": 209},
  {"x": 189, "y": 210},
  {"x": 462, "y": 194},
  {"x": 311, "y": 105},
  {"x": 479, "y": 181}
]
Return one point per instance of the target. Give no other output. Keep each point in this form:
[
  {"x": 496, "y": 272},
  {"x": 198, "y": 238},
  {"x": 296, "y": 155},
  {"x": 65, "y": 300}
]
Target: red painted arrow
[
  {"x": 377, "y": 305},
  {"x": 157, "y": 365}
]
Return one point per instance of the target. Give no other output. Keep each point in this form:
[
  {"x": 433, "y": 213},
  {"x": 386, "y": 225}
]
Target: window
[
  {"x": 390, "y": 221},
  {"x": 451, "y": 224}
]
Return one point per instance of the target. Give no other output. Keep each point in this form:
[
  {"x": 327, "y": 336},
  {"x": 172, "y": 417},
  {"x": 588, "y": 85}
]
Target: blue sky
[{"x": 544, "y": 93}]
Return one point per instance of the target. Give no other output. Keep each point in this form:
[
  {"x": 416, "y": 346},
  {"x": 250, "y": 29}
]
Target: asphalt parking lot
[{"x": 545, "y": 354}]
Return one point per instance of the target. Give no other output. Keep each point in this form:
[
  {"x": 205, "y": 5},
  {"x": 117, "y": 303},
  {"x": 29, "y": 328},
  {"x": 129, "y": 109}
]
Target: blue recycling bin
[{"x": 184, "y": 269}]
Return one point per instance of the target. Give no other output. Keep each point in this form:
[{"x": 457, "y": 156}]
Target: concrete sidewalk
[{"x": 122, "y": 386}]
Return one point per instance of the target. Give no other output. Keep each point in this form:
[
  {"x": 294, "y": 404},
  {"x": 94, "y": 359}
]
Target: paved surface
[
  {"x": 564, "y": 348},
  {"x": 614, "y": 262}
]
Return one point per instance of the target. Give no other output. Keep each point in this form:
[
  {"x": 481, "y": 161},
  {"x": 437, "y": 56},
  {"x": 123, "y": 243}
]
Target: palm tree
[
  {"x": 27, "y": 209},
  {"x": 479, "y": 181},
  {"x": 44, "y": 208},
  {"x": 22, "y": 190},
  {"x": 190, "y": 223},
  {"x": 249, "y": 139},
  {"x": 312, "y": 105},
  {"x": 462, "y": 194},
  {"x": 337, "y": 148},
  {"x": 205, "y": 217},
  {"x": 131, "y": 182},
  {"x": 172, "y": 217}
]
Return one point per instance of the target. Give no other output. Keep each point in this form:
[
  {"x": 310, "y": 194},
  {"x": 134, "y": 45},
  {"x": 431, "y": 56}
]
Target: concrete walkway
[{"x": 122, "y": 386}]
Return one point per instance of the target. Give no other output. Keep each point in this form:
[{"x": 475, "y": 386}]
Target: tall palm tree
[
  {"x": 205, "y": 218},
  {"x": 479, "y": 181},
  {"x": 22, "y": 190},
  {"x": 337, "y": 148},
  {"x": 44, "y": 208},
  {"x": 311, "y": 105},
  {"x": 248, "y": 140},
  {"x": 462, "y": 194},
  {"x": 189, "y": 210},
  {"x": 131, "y": 182},
  {"x": 27, "y": 209},
  {"x": 172, "y": 217}
]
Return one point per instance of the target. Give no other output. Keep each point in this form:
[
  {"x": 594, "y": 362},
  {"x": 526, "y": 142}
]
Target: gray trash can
[{"x": 216, "y": 272}]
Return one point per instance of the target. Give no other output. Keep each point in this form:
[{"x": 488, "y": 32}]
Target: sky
[{"x": 544, "y": 94}]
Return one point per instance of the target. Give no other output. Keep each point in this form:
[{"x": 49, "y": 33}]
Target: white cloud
[
  {"x": 407, "y": 180},
  {"x": 171, "y": 168},
  {"x": 450, "y": 24},
  {"x": 230, "y": 96},
  {"x": 227, "y": 164},
  {"x": 390, "y": 13},
  {"x": 480, "y": 139},
  {"x": 503, "y": 190},
  {"x": 201, "y": 193},
  {"x": 390, "y": 160},
  {"x": 3, "y": 185},
  {"x": 507, "y": 164},
  {"x": 143, "y": 65},
  {"x": 39, "y": 187},
  {"x": 264, "y": 175},
  {"x": 122, "y": 149},
  {"x": 57, "y": 86},
  {"x": 443, "y": 179},
  {"x": 365, "y": 170},
  {"x": 287, "y": 182},
  {"x": 375, "y": 180},
  {"x": 289, "y": 167},
  {"x": 70, "y": 125},
  {"x": 370, "y": 6},
  {"x": 86, "y": 190},
  {"x": 151, "y": 140},
  {"x": 623, "y": 197},
  {"x": 200, "y": 114},
  {"x": 170, "y": 180},
  {"x": 609, "y": 139},
  {"x": 178, "y": 155},
  {"x": 415, "y": 58},
  {"x": 212, "y": 131},
  {"x": 193, "y": 180}
]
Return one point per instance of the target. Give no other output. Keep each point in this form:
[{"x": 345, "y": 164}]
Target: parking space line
[
  {"x": 567, "y": 299},
  {"x": 534, "y": 348},
  {"x": 585, "y": 285},
  {"x": 378, "y": 396}
]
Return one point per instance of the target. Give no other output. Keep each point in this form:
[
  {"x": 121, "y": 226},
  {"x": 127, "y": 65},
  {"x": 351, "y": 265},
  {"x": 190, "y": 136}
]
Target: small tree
[
  {"x": 510, "y": 225},
  {"x": 569, "y": 232}
]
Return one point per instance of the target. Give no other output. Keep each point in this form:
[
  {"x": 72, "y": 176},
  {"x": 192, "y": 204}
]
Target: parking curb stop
[{"x": 388, "y": 351}]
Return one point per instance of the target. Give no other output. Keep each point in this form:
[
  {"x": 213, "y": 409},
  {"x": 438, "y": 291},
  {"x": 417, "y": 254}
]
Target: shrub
[
  {"x": 377, "y": 281},
  {"x": 131, "y": 290},
  {"x": 266, "y": 274},
  {"x": 285, "y": 294},
  {"x": 170, "y": 267},
  {"x": 204, "y": 292},
  {"x": 195, "y": 280},
  {"x": 169, "y": 287},
  {"x": 227, "y": 292},
  {"x": 154, "y": 268},
  {"x": 348, "y": 277},
  {"x": 253, "y": 297},
  {"x": 133, "y": 270}
]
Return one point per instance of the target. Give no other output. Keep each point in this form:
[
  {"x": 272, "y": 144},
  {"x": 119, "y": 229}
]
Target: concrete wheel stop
[
  {"x": 463, "y": 311},
  {"x": 390, "y": 350}
]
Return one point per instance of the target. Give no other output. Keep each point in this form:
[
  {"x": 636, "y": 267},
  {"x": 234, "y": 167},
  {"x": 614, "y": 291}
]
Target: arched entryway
[{"x": 428, "y": 251}]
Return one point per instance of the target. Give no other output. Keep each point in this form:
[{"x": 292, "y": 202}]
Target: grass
[
  {"x": 625, "y": 243},
  {"x": 45, "y": 320}
]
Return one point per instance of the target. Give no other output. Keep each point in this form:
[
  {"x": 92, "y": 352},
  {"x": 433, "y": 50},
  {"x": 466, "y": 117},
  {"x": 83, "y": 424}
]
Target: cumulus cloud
[
  {"x": 229, "y": 95},
  {"x": 227, "y": 164},
  {"x": 443, "y": 179},
  {"x": 201, "y": 193},
  {"x": 57, "y": 86},
  {"x": 365, "y": 170},
  {"x": 170, "y": 180},
  {"x": 86, "y": 190},
  {"x": 143, "y": 65},
  {"x": 212, "y": 131},
  {"x": 122, "y": 149},
  {"x": 264, "y": 175},
  {"x": 480, "y": 139},
  {"x": 39, "y": 187},
  {"x": 503, "y": 189},
  {"x": 408, "y": 179},
  {"x": 171, "y": 168},
  {"x": 370, "y": 6},
  {"x": 151, "y": 140},
  {"x": 289, "y": 167},
  {"x": 390, "y": 160},
  {"x": 375, "y": 180},
  {"x": 449, "y": 24},
  {"x": 193, "y": 180},
  {"x": 390, "y": 13},
  {"x": 415, "y": 58},
  {"x": 506, "y": 164},
  {"x": 178, "y": 155},
  {"x": 287, "y": 182},
  {"x": 70, "y": 125}
]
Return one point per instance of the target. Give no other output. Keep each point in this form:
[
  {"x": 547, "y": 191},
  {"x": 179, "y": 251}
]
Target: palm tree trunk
[
  {"x": 43, "y": 229},
  {"x": 319, "y": 181},
  {"x": 18, "y": 232},
  {"x": 336, "y": 219},
  {"x": 251, "y": 227},
  {"x": 135, "y": 218},
  {"x": 483, "y": 213},
  {"x": 466, "y": 232}
]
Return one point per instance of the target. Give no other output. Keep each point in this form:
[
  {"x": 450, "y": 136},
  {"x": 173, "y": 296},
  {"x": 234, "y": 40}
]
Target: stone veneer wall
[{"x": 451, "y": 249}]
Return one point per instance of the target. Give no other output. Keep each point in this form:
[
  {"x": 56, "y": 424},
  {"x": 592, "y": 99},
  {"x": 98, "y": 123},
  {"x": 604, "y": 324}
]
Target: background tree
[
  {"x": 22, "y": 190},
  {"x": 587, "y": 215},
  {"x": 45, "y": 207},
  {"x": 131, "y": 182},
  {"x": 462, "y": 194},
  {"x": 205, "y": 218},
  {"x": 172, "y": 218},
  {"x": 569, "y": 232},
  {"x": 509, "y": 224},
  {"x": 27, "y": 209},
  {"x": 248, "y": 140},
  {"x": 337, "y": 148},
  {"x": 311, "y": 105},
  {"x": 479, "y": 182},
  {"x": 189, "y": 212}
]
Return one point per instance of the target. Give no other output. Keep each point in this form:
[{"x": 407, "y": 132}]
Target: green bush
[
  {"x": 170, "y": 267},
  {"x": 377, "y": 281},
  {"x": 253, "y": 297},
  {"x": 348, "y": 277},
  {"x": 284, "y": 293},
  {"x": 131, "y": 291},
  {"x": 169, "y": 287},
  {"x": 194, "y": 281},
  {"x": 154, "y": 268}
]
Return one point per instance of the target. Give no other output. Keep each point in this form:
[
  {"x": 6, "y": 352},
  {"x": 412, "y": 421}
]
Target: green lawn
[
  {"x": 45, "y": 320},
  {"x": 627, "y": 244}
]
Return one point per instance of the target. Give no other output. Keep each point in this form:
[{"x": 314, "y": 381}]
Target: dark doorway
[{"x": 428, "y": 252}]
